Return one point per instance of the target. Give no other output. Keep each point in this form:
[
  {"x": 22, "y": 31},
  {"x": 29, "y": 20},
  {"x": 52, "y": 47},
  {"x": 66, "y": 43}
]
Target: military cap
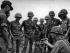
[
  {"x": 30, "y": 14},
  {"x": 18, "y": 15},
  {"x": 47, "y": 17},
  {"x": 41, "y": 20},
  {"x": 51, "y": 13},
  {"x": 57, "y": 30},
  {"x": 35, "y": 19},
  {"x": 5, "y": 3}
]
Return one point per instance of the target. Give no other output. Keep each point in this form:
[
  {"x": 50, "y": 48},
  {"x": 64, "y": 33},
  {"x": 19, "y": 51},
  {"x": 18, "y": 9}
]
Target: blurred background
[{"x": 40, "y": 8}]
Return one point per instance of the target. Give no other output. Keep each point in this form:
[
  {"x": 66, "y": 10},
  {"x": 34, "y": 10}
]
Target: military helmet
[
  {"x": 30, "y": 14},
  {"x": 47, "y": 18},
  {"x": 57, "y": 30},
  {"x": 35, "y": 19},
  {"x": 62, "y": 12},
  {"x": 52, "y": 13},
  {"x": 41, "y": 20},
  {"x": 6, "y": 2},
  {"x": 18, "y": 15}
]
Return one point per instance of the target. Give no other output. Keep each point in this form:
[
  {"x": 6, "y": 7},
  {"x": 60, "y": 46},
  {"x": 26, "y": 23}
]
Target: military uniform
[
  {"x": 16, "y": 32},
  {"x": 28, "y": 31},
  {"x": 3, "y": 32},
  {"x": 41, "y": 25},
  {"x": 65, "y": 23},
  {"x": 61, "y": 44},
  {"x": 36, "y": 29}
]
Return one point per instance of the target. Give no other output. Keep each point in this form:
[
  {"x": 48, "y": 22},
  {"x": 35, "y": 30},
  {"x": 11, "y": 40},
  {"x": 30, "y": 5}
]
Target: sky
[{"x": 40, "y": 8}]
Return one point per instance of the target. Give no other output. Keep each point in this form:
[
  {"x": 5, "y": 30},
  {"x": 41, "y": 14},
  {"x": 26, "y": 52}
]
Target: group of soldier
[{"x": 53, "y": 35}]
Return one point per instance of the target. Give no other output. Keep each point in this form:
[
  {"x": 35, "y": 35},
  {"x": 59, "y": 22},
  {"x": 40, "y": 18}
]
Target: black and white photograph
[{"x": 34, "y": 26}]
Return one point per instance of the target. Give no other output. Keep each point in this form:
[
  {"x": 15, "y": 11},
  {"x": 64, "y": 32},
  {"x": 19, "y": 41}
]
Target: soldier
[
  {"x": 3, "y": 33},
  {"x": 6, "y": 7},
  {"x": 47, "y": 28},
  {"x": 61, "y": 44},
  {"x": 55, "y": 22},
  {"x": 65, "y": 21},
  {"x": 36, "y": 29},
  {"x": 41, "y": 25},
  {"x": 28, "y": 31},
  {"x": 16, "y": 31},
  {"x": 47, "y": 25}
]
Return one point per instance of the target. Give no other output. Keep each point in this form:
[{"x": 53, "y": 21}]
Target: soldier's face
[
  {"x": 35, "y": 22},
  {"x": 41, "y": 22},
  {"x": 17, "y": 19},
  {"x": 48, "y": 21},
  {"x": 52, "y": 15},
  {"x": 7, "y": 8}
]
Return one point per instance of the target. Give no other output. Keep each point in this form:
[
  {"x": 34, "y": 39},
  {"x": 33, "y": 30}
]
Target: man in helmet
[
  {"x": 60, "y": 44},
  {"x": 28, "y": 30},
  {"x": 16, "y": 32},
  {"x": 6, "y": 7},
  {"x": 55, "y": 21},
  {"x": 65, "y": 21},
  {"x": 41, "y": 25},
  {"x": 36, "y": 38},
  {"x": 47, "y": 25}
]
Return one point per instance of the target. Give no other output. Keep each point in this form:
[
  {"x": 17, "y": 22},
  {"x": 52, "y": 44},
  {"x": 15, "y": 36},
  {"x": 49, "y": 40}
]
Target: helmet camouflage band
[
  {"x": 18, "y": 15},
  {"x": 57, "y": 30}
]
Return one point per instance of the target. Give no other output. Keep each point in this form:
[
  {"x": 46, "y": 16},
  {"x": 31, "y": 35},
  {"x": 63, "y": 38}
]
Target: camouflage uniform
[
  {"x": 3, "y": 33},
  {"x": 16, "y": 32},
  {"x": 28, "y": 31},
  {"x": 55, "y": 21},
  {"x": 65, "y": 23},
  {"x": 61, "y": 44},
  {"x": 36, "y": 30},
  {"x": 41, "y": 25}
]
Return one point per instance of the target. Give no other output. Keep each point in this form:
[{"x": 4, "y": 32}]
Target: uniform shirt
[
  {"x": 36, "y": 30},
  {"x": 65, "y": 25},
  {"x": 15, "y": 28},
  {"x": 41, "y": 31},
  {"x": 28, "y": 27},
  {"x": 61, "y": 46},
  {"x": 55, "y": 22}
]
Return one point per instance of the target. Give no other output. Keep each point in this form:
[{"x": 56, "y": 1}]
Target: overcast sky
[{"x": 40, "y": 8}]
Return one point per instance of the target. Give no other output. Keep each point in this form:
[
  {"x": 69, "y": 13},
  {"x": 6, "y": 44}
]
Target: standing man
[
  {"x": 16, "y": 32},
  {"x": 65, "y": 23},
  {"x": 6, "y": 7},
  {"x": 41, "y": 25},
  {"x": 28, "y": 31},
  {"x": 55, "y": 21}
]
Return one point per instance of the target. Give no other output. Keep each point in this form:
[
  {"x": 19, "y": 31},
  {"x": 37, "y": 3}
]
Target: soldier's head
[
  {"x": 35, "y": 20},
  {"x": 30, "y": 14},
  {"x": 6, "y": 5},
  {"x": 52, "y": 14},
  {"x": 18, "y": 16},
  {"x": 41, "y": 21},
  {"x": 63, "y": 14},
  {"x": 48, "y": 19},
  {"x": 57, "y": 32}
]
